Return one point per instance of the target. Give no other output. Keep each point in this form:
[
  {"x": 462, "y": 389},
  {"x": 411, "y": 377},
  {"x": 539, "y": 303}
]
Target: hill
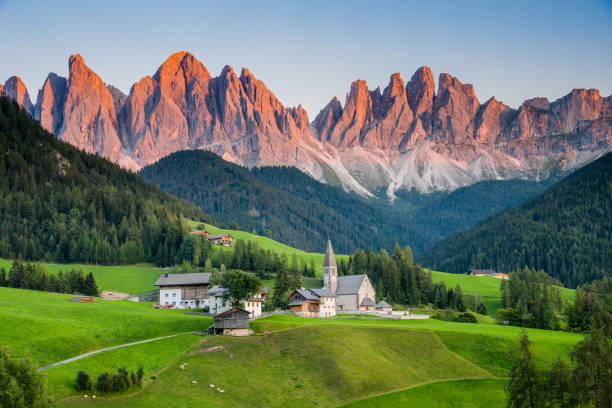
[
  {"x": 566, "y": 231},
  {"x": 61, "y": 204},
  {"x": 232, "y": 194}
]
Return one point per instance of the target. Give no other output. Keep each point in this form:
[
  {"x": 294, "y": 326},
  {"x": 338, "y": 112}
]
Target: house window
[
  {"x": 166, "y": 295},
  {"x": 174, "y": 295}
]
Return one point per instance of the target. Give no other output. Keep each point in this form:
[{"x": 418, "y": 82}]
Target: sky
[{"x": 306, "y": 52}]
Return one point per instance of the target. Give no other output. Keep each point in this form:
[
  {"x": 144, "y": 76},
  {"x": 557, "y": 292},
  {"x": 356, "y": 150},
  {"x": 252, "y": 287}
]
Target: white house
[
  {"x": 217, "y": 305},
  {"x": 183, "y": 290}
]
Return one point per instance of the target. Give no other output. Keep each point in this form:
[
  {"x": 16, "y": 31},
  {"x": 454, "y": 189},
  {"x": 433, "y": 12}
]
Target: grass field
[
  {"x": 125, "y": 278},
  {"x": 50, "y": 327}
]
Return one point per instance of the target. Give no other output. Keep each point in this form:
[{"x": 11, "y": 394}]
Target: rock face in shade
[
  {"x": 407, "y": 136},
  {"x": 16, "y": 89}
]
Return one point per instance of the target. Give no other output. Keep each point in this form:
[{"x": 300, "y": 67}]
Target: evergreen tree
[
  {"x": 523, "y": 387},
  {"x": 91, "y": 289},
  {"x": 282, "y": 283}
]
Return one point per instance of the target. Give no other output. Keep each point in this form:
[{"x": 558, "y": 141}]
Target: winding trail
[{"x": 91, "y": 353}]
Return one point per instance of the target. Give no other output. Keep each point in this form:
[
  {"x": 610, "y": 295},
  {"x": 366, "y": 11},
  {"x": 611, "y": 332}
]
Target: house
[
  {"x": 504, "y": 276},
  {"x": 183, "y": 290},
  {"x": 480, "y": 272},
  {"x": 217, "y": 304},
  {"x": 232, "y": 322},
  {"x": 313, "y": 302},
  {"x": 220, "y": 239},
  {"x": 200, "y": 232},
  {"x": 383, "y": 306}
]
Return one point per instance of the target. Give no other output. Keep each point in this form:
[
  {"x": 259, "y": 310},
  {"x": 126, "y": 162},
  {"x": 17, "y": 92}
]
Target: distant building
[
  {"x": 220, "y": 239},
  {"x": 504, "y": 276},
  {"x": 232, "y": 322},
  {"x": 200, "y": 232},
  {"x": 480, "y": 272},
  {"x": 183, "y": 290},
  {"x": 313, "y": 302}
]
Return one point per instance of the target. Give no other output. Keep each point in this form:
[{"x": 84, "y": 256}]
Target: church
[{"x": 353, "y": 292}]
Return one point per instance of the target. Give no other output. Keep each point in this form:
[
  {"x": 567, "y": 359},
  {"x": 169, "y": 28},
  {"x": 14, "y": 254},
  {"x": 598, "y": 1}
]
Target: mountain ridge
[{"x": 407, "y": 136}]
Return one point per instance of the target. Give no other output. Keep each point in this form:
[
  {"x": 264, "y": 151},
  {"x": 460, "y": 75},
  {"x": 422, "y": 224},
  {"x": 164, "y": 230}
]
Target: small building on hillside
[
  {"x": 204, "y": 233},
  {"x": 503, "y": 276},
  {"x": 232, "y": 322},
  {"x": 183, "y": 290},
  {"x": 313, "y": 302},
  {"x": 220, "y": 239},
  {"x": 480, "y": 272},
  {"x": 383, "y": 306}
]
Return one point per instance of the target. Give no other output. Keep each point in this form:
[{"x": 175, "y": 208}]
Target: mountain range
[{"x": 405, "y": 136}]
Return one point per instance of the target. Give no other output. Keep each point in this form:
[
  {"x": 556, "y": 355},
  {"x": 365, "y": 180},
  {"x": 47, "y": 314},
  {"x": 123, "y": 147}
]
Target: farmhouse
[
  {"x": 183, "y": 290},
  {"x": 232, "y": 322},
  {"x": 383, "y": 306},
  {"x": 220, "y": 239},
  {"x": 313, "y": 302}
]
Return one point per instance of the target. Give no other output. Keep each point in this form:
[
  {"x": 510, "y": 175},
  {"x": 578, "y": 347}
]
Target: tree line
[{"x": 36, "y": 277}]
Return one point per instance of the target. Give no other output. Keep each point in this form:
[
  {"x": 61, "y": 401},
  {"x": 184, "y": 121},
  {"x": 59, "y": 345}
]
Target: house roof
[
  {"x": 266, "y": 290},
  {"x": 307, "y": 294},
  {"x": 368, "y": 302},
  {"x": 349, "y": 284},
  {"x": 217, "y": 236},
  {"x": 323, "y": 292},
  {"x": 233, "y": 309},
  {"x": 178, "y": 279},
  {"x": 330, "y": 259},
  {"x": 382, "y": 304},
  {"x": 482, "y": 271}
]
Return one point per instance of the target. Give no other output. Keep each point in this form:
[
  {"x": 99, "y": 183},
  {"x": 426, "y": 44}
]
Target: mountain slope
[
  {"x": 566, "y": 231},
  {"x": 61, "y": 204},
  {"x": 407, "y": 136},
  {"x": 234, "y": 194}
]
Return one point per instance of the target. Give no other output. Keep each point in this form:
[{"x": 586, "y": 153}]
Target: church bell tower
[{"x": 330, "y": 269}]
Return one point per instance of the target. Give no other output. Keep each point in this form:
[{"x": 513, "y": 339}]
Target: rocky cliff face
[{"x": 403, "y": 137}]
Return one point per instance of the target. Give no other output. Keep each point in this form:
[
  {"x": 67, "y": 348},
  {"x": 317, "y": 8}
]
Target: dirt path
[{"x": 91, "y": 353}]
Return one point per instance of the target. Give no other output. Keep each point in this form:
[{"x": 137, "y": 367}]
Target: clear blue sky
[{"x": 309, "y": 51}]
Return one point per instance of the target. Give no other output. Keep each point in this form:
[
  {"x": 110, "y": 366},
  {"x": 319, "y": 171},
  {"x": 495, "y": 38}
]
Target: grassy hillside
[
  {"x": 308, "y": 362},
  {"x": 50, "y": 327},
  {"x": 565, "y": 231}
]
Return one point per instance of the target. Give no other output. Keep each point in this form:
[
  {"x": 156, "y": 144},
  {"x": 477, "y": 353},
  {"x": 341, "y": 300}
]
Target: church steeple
[{"x": 330, "y": 269}]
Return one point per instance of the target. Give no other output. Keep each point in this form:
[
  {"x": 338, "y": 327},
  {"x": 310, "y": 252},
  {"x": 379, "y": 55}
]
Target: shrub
[
  {"x": 465, "y": 317},
  {"x": 83, "y": 382},
  {"x": 482, "y": 309},
  {"x": 508, "y": 316},
  {"x": 104, "y": 383},
  {"x": 139, "y": 375}
]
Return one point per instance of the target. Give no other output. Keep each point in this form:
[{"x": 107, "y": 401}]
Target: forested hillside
[
  {"x": 235, "y": 195},
  {"x": 566, "y": 231},
  {"x": 60, "y": 204}
]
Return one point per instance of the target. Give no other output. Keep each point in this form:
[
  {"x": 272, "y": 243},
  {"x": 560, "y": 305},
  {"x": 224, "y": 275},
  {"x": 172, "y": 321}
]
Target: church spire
[{"x": 330, "y": 269}]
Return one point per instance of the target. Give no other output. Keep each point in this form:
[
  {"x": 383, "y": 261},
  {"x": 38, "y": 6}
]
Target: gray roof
[
  {"x": 323, "y": 292},
  {"x": 266, "y": 290},
  {"x": 217, "y": 236},
  {"x": 367, "y": 302},
  {"x": 350, "y": 284},
  {"x": 487, "y": 271},
  {"x": 330, "y": 259},
  {"x": 179, "y": 279},
  {"x": 307, "y": 294},
  {"x": 382, "y": 304}
]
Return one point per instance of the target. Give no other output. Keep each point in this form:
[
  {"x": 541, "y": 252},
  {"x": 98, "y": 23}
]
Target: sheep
[
  {"x": 211, "y": 386},
  {"x": 194, "y": 382},
  {"x": 84, "y": 396},
  {"x": 93, "y": 397}
]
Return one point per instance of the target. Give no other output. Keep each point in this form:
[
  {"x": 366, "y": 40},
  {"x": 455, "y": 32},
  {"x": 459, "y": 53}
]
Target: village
[{"x": 340, "y": 294}]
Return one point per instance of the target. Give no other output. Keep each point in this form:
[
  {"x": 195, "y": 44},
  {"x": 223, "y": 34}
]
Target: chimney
[{"x": 166, "y": 275}]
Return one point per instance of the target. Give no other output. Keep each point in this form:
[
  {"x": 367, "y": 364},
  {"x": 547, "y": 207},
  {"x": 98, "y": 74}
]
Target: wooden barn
[
  {"x": 232, "y": 322},
  {"x": 220, "y": 239}
]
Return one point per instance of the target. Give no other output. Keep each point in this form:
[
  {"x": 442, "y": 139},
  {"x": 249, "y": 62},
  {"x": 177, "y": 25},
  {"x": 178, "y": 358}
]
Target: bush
[
  {"x": 83, "y": 382},
  {"x": 104, "y": 384},
  {"x": 121, "y": 380},
  {"x": 508, "y": 316},
  {"x": 21, "y": 385},
  {"x": 482, "y": 309},
  {"x": 465, "y": 317}
]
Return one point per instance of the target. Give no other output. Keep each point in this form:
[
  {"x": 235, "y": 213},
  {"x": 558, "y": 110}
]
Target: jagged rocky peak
[
  {"x": 300, "y": 117},
  {"x": 327, "y": 118},
  {"x": 420, "y": 91},
  {"x": 50, "y": 102},
  {"x": 491, "y": 121},
  {"x": 454, "y": 110},
  {"x": 16, "y": 89}
]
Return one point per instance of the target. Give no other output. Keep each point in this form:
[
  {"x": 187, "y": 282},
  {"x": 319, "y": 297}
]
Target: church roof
[
  {"x": 330, "y": 259},
  {"x": 350, "y": 284},
  {"x": 382, "y": 304},
  {"x": 368, "y": 302}
]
